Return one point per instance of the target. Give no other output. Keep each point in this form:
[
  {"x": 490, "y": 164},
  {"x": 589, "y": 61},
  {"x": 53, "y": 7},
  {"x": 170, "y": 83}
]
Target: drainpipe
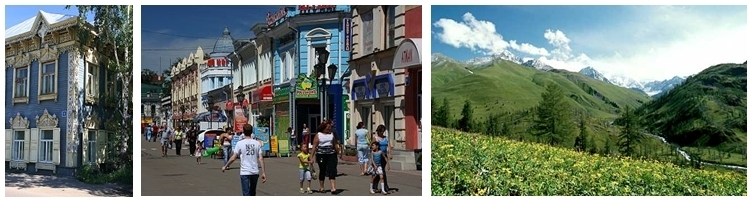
[{"x": 297, "y": 69}]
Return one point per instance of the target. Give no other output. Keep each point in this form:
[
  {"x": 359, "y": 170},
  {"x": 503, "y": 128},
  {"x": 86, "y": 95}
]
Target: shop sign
[
  {"x": 308, "y": 9},
  {"x": 347, "y": 31},
  {"x": 275, "y": 16},
  {"x": 306, "y": 87}
]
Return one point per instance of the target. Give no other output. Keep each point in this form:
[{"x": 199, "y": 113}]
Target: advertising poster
[
  {"x": 209, "y": 140},
  {"x": 274, "y": 144},
  {"x": 263, "y": 134},
  {"x": 239, "y": 119}
]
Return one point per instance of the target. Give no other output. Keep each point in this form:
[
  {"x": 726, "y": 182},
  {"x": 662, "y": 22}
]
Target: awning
[
  {"x": 263, "y": 94},
  {"x": 361, "y": 89},
  {"x": 408, "y": 54},
  {"x": 383, "y": 86}
]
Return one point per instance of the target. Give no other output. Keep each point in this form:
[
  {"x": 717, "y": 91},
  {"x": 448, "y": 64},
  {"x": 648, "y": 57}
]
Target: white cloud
[
  {"x": 652, "y": 43},
  {"x": 479, "y": 36}
]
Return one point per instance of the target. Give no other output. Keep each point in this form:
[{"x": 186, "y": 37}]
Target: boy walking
[
  {"x": 249, "y": 150},
  {"x": 304, "y": 162}
]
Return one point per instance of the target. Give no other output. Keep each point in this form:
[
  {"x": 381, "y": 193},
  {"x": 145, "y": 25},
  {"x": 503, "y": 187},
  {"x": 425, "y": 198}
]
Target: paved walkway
[
  {"x": 182, "y": 176},
  {"x": 27, "y": 185}
]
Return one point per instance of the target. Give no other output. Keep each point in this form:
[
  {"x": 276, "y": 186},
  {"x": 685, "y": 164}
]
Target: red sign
[
  {"x": 312, "y": 8},
  {"x": 406, "y": 56},
  {"x": 228, "y": 105},
  {"x": 245, "y": 102},
  {"x": 274, "y": 17},
  {"x": 239, "y": 119},
  {"x": 263, "y": 94}
]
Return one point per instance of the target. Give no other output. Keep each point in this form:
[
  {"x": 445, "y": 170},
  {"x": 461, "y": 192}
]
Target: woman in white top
[{"x": 326, "y": 148}]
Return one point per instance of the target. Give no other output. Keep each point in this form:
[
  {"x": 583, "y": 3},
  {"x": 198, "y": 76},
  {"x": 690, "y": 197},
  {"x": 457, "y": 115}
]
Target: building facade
[
  {"x": 59, "y": 97},
  {"x": 300, "y": 33},
  {"x": 151, "y": 104},
  {"x": 385, "y": 80},
  {"x": 215, "y": 71},
  {"x": 253, "y": 70},
  {"x": 185, "y": 93}
]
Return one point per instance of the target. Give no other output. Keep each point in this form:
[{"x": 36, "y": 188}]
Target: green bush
[{"x": 94, "y": 175}]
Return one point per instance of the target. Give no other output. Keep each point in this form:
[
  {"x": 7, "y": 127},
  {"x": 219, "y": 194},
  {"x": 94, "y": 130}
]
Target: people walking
[
  {"x": 191, "y": 137},
  {"x": 252, "y": 162},
  {"x": 225, "y": 139},
  {"x": 307, "y": 137},
  {"x": 292, "y": 142},
  {"x": 305, "y": 173},
  {"x": 165, "y": 140},
  {"x": 382, "y": 139},
  {"x": 178, "y": 140},
  {"x": 362, "y": 147},
  {"x": 326, "y": 149},
  {"x": 378, "y": 173},
  {"x": 148, "y": 132}
]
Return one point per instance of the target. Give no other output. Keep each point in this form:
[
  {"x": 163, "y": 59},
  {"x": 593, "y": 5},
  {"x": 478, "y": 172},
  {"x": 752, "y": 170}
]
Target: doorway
[{"x": 313, "y": 122}]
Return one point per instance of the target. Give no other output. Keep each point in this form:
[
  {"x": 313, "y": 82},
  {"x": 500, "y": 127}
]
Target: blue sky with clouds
[
  {"x": 169, "y": 32},
  {"x": 641, "y": 42},
  {"x": 17, "y": 14}
]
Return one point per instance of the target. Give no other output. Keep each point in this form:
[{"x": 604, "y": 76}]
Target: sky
[
  {"x": 640, "y": 42},
  {"x": 17, "y": 14},
  {"x": 170, "y": 32}
]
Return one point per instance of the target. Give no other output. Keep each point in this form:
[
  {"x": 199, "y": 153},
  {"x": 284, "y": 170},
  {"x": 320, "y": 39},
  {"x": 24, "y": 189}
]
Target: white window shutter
[
  {"x": 85, "y": 146},
  {"x": 8, "y": 143},
  {"x": 34, "y": 145},
  {"x": 27, "y": 139},
  {"x": 56, "y": 146},
  {"x": 101, "y": 146}
]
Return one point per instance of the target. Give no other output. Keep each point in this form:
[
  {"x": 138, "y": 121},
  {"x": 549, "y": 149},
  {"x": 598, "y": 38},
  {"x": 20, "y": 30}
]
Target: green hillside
[
  {"x": 507, "y": 86},
  {"x": 707, "y": 110}
]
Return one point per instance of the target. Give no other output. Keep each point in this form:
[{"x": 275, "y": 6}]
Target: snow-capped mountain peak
[
  {"x": 507, "y": 55},
  {"x": 593, "y": 73},
  {"x": 537, "y": 64},
  {"x": 438, "y": 59}
]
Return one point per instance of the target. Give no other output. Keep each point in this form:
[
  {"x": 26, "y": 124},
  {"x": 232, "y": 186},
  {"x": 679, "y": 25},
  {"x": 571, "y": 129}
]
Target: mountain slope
[
  {"x": 503, "y": 85},
  {"x": 708, "y": 109}
]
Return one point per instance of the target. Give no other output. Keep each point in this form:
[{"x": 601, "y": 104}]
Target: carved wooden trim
[
  {"x": 47, "y": 120},
  {"x": 92, "y": 122},
  {"x": 19, "y": 122}
]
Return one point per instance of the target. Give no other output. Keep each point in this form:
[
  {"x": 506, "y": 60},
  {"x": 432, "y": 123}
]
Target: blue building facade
[
  {"x": 56, "y": 97},
  {"x": 300, "y": 33}
]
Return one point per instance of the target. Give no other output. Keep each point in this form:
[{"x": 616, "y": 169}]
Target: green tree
[
  {"x": 466, "y": 123},
  {"x": 112, "y": 33},
  {"x": 581, "y": 140},
  {"x": 147, "y": 76},
  {"x": 493, "y": 125},
  {"x": 608, "y": 146},
  {"x": 442, "y": 116},
  {"x": 630, "y": 136},
  {"x": 553, "y": 116}
]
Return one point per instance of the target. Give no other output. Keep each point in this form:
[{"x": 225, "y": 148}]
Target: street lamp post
[
  {"x": 239, "y": 99},
  {"x": 320, "y": 71},
  {"x": 210, "y": 104}
]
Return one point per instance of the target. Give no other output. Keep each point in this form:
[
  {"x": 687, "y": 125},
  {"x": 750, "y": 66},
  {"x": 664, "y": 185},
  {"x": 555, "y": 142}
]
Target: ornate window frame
[
  {"x": 49, "y": 56},
  {"x": 91, "y": 124},
  {"x": 92, "y": 94},
  {"x": 21, "y": 63},
  {"x": 17, "y": 123},
  {"x": 48, "y": 122}
]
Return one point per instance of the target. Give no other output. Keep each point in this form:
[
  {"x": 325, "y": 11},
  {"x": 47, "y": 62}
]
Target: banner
[
  {"x": 239, "y": 119},
  {"x": 347, "y": 32},
  {"x": 274, "y": 144},
  {"x": 209, "y": 140},
  {"x": 263, "y": 134}
]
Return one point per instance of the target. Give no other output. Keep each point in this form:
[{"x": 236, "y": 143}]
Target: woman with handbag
[{"x": 326, "y": 148}]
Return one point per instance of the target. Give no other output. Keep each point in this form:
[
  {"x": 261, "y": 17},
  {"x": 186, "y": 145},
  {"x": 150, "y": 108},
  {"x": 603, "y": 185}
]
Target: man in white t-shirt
[{"x": 250, "y": 152}]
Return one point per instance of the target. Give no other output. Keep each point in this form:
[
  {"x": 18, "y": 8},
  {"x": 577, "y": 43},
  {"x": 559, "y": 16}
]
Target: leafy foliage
[
  {"x": 553, "y": 117},
  {"x": 111, "y": 33},
  {"x": 471, "y": 164}
]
